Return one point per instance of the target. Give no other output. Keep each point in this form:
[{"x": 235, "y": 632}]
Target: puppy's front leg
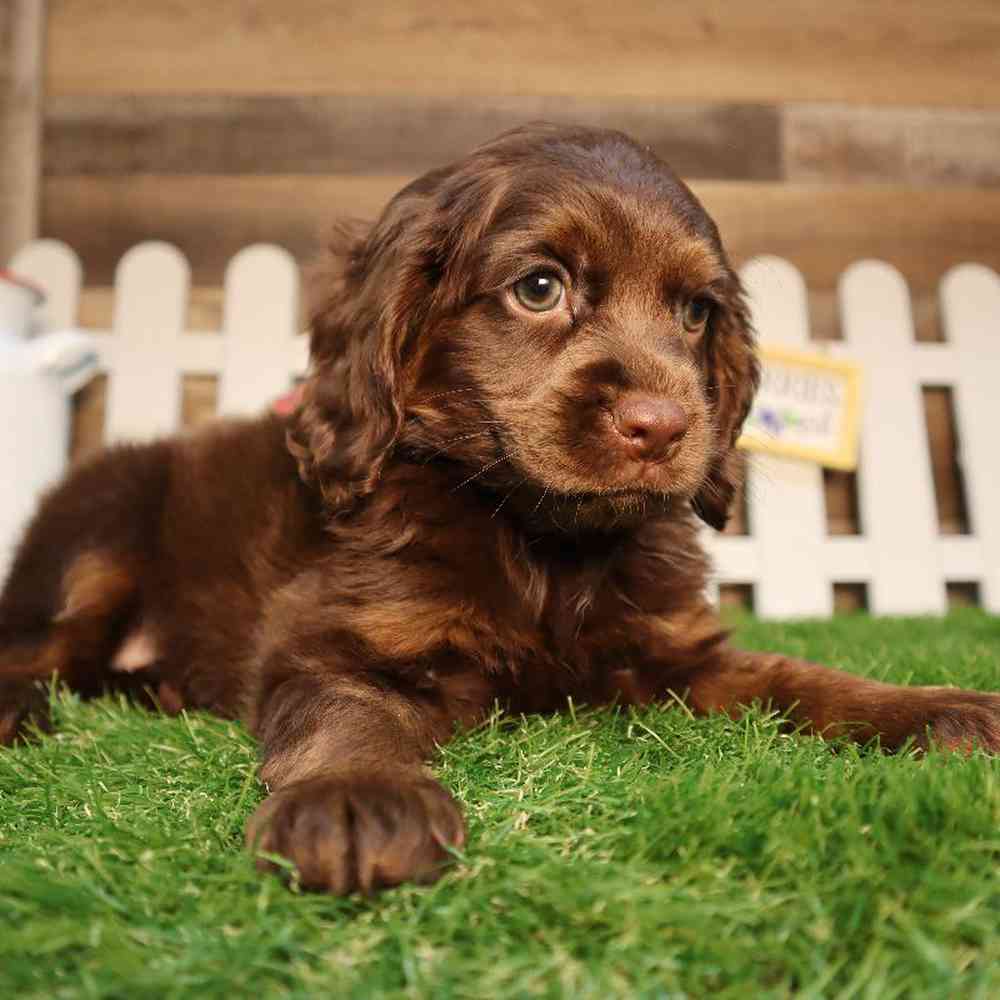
[
  {"x": 833, "y": 703},
  {"x": 350, "y": 803}
]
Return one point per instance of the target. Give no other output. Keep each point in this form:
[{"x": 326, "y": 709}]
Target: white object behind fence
[
  {"x": 788, "y": 557},
  {"x": 38, "y": 375}
]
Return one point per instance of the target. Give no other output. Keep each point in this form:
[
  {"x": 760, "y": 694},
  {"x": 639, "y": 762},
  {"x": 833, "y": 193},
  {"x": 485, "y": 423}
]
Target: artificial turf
[{"x": 611, "y": 854}]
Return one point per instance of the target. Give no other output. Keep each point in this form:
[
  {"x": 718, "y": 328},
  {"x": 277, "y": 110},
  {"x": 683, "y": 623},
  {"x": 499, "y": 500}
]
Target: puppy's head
[{"x": 555, "y": 316}]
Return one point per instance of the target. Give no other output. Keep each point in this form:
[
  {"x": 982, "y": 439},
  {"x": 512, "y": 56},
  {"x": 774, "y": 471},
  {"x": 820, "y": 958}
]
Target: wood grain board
[
  {"x": 920, "y": 52},
  {"x": 406, "y": 134},
  {"x": 820, "y": 228},
  {"x": 913, "y": 146}
]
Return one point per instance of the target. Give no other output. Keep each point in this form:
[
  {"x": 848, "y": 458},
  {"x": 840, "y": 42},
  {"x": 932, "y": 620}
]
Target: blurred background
[
  {"x": 823, "y": 132},
  {"x": 820, "y": 131}
]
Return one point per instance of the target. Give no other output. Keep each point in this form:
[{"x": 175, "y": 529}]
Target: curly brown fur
[{"x": 476, "y": 500}]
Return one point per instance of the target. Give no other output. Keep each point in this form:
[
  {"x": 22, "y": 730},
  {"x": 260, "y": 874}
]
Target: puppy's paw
[
  {"x": 22, "y": 703},
  {"x": 349, "y": 833}
]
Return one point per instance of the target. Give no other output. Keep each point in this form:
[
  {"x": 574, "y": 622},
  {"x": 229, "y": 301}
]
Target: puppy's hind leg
[{"x": 71, "y": 633}]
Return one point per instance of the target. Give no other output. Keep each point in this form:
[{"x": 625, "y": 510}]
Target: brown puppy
[{"x": 526, "y": 383}]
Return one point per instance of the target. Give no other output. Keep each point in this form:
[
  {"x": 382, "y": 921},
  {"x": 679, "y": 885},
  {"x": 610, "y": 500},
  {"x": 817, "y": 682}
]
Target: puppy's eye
[
  {"x": 540, "y": 291},
  {"x": 696, "y": 314}
]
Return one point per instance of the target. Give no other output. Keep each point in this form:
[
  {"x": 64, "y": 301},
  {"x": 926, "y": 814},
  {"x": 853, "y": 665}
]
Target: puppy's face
[
  {"x": 578, "y": 360},
  {"x": 573, "y": 338}
]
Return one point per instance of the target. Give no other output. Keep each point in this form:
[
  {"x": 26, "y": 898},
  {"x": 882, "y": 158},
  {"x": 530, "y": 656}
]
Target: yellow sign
[{"x": 808, "y": 407}]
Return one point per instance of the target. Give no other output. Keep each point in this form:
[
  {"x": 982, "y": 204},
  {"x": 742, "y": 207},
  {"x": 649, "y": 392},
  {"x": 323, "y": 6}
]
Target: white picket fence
[{"x": 788, "y": 557}]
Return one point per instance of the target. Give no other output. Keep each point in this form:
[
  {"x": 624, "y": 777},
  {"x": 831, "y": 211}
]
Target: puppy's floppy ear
[
  {"x": 367, "y": 294},
  {"x": 734, "y": 374}
]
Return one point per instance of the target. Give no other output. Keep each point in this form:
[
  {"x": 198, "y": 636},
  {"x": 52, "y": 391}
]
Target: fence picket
[
  {"x": 785, "y": 497},
  {"x": 970, "y": 299},
  {"x": 259, "y": 321},
  {"x": 150, "y": 310},
  {"x": 896, "y": 490},
  {"x": 53, "y": 266}
]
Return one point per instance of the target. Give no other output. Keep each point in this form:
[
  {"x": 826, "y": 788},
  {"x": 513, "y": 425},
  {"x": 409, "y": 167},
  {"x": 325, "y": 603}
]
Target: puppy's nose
[{"x": 649, "y": 425}]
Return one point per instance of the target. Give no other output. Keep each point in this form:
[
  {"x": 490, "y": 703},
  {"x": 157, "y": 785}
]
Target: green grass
[{"x": 632, "y": 854}]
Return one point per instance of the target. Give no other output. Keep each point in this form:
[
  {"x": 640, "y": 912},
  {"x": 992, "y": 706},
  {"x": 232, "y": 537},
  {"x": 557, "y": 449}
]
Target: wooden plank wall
[
  {"x": 819, "y": 131},
  {"x": 22, "y": 24}
]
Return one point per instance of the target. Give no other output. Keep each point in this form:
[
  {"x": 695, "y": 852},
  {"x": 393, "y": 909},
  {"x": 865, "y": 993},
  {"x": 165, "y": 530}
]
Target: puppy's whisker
[
  {"x": 485, "y": 468},
  {"x": 447, "y": 392},
  {"x": 464, "y": 437},
  {"x": 545, "y": 493},
  {"x": 496, "y": 510}
]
